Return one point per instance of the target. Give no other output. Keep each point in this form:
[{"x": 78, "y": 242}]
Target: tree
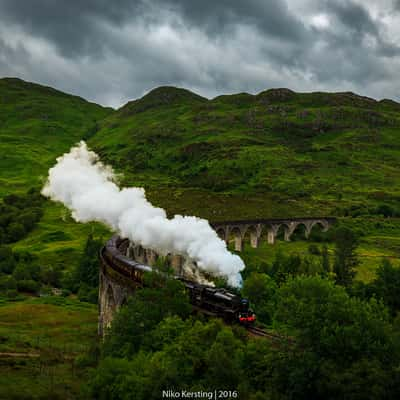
[
  {"x": 343, "y": 349},
  {"x": 195, "y": 356},
  {"x": 285, "y": 266},
  {"x": 223, "y": 361},
  {"x": 28, "y": 220},
  {"x": 363, "y": 379},
  {"x": 88, "y": 294},
  {"x": 28, "y": 285},
  {"x": 51, "y": 275},
  {"x": 387, "y": 285},
  {"x": 145, "y": 309},
  {"x": 310, "y": 266},
  {"x": 345, "y": 256},
  {"x": 119, "y": 379},
  {"x": 7, "y": 282},
  {"x": 27, "y": 270},
  {"x": 7, "y": 260},
  {"x": 22, "y": 273},
  {"x": 314, "y": 249},
  {"x": 15, "y": 232},
  {"x": 326, "y": 267},
  {"x": 88, "y": 268},
  {"x": 327, "y": 320},
  {"x": 260, "y": 290},
  {"x": 385, "y": 210}
]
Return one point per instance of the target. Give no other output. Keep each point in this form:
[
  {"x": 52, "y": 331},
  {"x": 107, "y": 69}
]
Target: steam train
[
  {"x": 208, "y": 299},
  {"x": 219, "y": 302}
]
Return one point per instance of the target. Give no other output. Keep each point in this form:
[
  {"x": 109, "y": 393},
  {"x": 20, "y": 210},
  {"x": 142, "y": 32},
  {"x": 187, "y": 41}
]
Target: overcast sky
[{"x": 114, "y": 51}]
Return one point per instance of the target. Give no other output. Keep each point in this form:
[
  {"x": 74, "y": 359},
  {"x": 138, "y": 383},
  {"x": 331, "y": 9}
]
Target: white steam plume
[{"x": 82, "y": 183}]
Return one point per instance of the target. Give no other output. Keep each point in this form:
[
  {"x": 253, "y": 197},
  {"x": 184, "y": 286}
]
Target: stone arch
[
  {"x": 299, "y": 231},
  {"x": 282, "y": 231},
  {"x": 320, "y": 222},
  {"x": 124, "y": 301},
  {"x": 176, "y": 263},
  {"x": 269, "y": 232},
  {"x": 318, "y": 226},
  {"x": 151, "y": 257},
  {"x": 221, "y": 232},
  {"x": 131, "y": 250},
  {"x": 236, "y": 234},
  {"x": 252, "y": 235},
  {"x": 140, "y": 254}
]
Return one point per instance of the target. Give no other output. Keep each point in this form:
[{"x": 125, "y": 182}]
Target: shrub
[
  {"x": 15, "y": 232},
  {"x": 88, "y": 294},
  {"x": 386, "y": 210},
  {"x": 28, "y": 285},
  {"x": 7, "y": 283},
  {"x": 12, "y": 293},
  {"x": 314, "y": 249}
]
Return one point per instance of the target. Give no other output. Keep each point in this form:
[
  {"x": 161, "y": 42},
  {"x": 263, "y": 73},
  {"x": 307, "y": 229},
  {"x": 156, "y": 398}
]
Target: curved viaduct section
[
  {"x": 114, "y": 285},
  {"x": 121, "y": 262}
]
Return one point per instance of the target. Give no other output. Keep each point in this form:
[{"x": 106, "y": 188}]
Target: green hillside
[
  {"x": 37, "y": 124},
  {"x": 280, "y": 152},
  {"x": 275, "y": 154}
]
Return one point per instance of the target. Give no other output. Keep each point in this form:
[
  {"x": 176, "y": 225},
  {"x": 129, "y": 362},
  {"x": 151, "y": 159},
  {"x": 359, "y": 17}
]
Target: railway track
[
  {"x": 255, "y": 331},
  {"x": 273, "y": 337}
]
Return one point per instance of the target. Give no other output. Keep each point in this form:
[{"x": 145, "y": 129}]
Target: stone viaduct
[
  {"x": 116, "y": 285},
  {"x": 254, "y": 230},
  {"x": 113, "y": 293}
]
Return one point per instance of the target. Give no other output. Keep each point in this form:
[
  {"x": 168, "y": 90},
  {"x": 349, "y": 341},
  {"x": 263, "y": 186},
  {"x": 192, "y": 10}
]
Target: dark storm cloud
[
  {"x": 72, "y": 25},
  {"x": 354, "y": 16},
  {"x": 75, "y": 26},
  {"x": 270, "y": 16},
  {"x": 112, "y": 51},
  {"x": 358, "y": 25}
]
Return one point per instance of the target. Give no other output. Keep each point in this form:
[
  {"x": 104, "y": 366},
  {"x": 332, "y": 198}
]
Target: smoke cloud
[{"x": 87, "y": 187}]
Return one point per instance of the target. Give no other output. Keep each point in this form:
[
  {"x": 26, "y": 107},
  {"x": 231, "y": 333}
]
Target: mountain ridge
[{"x": 278, "y": 143}]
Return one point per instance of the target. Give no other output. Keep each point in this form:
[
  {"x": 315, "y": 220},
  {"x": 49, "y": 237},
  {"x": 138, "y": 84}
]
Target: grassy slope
[
  {"x": 279, "y": 153},
  {"x": 37, "y": 124},
  {"x": 58, "y": 333}
]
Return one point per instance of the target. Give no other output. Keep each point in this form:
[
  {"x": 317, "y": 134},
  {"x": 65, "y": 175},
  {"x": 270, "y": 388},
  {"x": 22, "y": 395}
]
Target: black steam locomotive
[
  {"x": 208, "y": 299},
  {"x": 220, "y": 302}
]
